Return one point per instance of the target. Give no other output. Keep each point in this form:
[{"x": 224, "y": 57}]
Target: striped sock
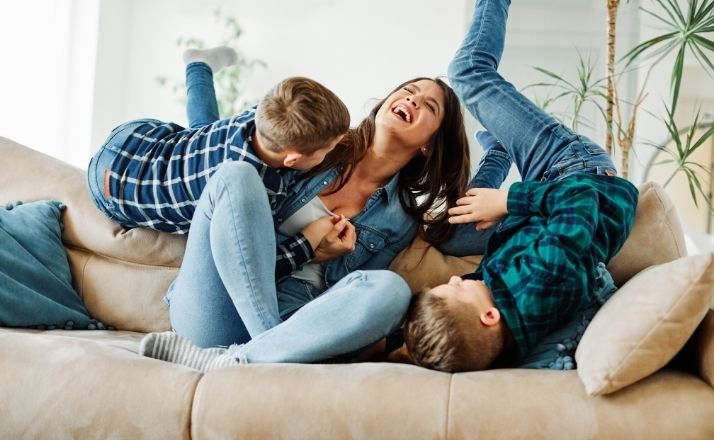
[{"x": 170, "y": 347}]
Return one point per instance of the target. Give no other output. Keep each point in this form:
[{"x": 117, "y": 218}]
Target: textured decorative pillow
[
  {"x": 645, "y": 324},
  {"x": 35, "y": 280}
]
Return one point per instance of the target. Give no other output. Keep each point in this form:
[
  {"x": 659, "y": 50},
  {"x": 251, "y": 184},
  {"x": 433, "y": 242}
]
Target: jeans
[
  {"x": 201, "y": 103},
  {"x": 518, "y": 130},
  {"x": 541, "y": 147},
  {"x": 102, "y": 161}
]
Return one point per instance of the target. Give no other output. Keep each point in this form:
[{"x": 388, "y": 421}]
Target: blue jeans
[
  {"x": 201, "y": 103},
  {"x": 540, "y": 146},
  {"x": 102, "y": 161}
]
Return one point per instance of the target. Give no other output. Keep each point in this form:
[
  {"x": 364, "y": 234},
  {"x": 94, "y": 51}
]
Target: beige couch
[{"x": 92, "y": 384}]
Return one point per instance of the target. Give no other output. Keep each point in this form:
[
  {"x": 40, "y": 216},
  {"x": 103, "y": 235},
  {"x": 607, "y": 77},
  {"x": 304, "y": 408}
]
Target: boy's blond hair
[
  {"x": 449, "y": 336},
  {"x": 302, "y": 114}
]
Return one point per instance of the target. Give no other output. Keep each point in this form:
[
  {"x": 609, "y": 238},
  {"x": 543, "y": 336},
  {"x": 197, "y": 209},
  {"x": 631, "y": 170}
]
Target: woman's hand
[
  {"x": 484, "y": 206},
  {"x": 340, "y": 240},
  {"x": 316, "y": 231}
]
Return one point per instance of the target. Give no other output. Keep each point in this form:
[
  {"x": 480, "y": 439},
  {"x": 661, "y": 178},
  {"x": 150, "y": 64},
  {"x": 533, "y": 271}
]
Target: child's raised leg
[
  {"x": 201, "y": 64},
  {"x": 540, "y": 146}
]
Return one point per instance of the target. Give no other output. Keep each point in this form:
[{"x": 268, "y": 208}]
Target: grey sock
[
  {"x": 170, "y": 347},
  {"x": 216, "y": 57}
]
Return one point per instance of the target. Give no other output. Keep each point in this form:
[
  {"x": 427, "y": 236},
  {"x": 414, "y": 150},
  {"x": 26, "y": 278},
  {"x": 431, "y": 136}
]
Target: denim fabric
[
  {"x": 383, "y": 228},
  {"x": 360, "y": 309},
  {"x": 201, "y": 104},
  {"x": 102, "y": 161},
  {"x": 225, "y": 289},
  {"x": 540, "y": 146}
]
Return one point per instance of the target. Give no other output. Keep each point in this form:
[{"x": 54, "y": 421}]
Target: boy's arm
[{"x": 291, "y": 255}]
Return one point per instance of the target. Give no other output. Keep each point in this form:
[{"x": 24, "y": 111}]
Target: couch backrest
[{"x": 121, "y": 275}]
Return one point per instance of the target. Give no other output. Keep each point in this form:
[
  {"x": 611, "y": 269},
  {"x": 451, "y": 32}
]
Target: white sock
[
  {"x": 170, "y": 347},
  {"x": 216, "y": 57}
]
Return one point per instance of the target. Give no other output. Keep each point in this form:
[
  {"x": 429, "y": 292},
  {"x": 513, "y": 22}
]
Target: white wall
[{"x": 73, "y": 69}]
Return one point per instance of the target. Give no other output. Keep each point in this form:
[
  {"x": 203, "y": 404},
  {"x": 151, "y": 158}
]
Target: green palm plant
[
  {"x": 586, "y": 90},
  {"x": 685, "y": 32},
  {"x": 680, "y": 156}
]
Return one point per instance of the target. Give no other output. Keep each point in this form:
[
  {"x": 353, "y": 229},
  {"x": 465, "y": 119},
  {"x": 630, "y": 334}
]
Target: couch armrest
[{"x": 704, "y": 348}]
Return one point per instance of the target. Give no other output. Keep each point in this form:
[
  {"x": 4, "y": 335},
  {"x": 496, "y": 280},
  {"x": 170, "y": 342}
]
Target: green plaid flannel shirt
[{"x": 541, "y": 264}]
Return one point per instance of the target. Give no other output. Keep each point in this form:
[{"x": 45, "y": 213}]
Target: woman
[{"x": 408, "y": 156}]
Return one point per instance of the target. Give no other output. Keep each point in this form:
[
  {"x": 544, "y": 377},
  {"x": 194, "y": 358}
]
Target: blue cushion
[
  {"x": 35, "y": 280},
  {"x": 557, "y": 350}
]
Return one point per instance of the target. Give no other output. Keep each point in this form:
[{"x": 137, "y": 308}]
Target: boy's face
[
  {"x": 473, "y": 292},
  {"x": 307, "y": 161}
]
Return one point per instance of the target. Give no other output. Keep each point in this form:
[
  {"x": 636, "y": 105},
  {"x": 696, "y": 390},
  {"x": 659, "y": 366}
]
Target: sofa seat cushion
[
  {"x": 404, "y": 401},
  {"x": 90, "y": 384}
]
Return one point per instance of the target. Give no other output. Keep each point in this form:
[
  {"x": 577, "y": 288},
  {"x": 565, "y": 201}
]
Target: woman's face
[{"x": 412, "y": 114}]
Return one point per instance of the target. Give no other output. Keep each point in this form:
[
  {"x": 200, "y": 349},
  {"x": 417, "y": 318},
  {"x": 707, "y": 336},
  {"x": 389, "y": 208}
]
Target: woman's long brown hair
[{"x": 426, "y": 184}]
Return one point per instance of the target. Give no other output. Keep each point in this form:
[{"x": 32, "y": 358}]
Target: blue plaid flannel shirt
[{"x": 162, "y": 169}]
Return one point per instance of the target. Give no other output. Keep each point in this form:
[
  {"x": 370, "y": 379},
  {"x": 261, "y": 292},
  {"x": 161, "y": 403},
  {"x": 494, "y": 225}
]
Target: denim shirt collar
[{"x": 389, "y": 190}]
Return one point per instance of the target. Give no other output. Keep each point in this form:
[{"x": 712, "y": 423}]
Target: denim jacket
[{"x": 383, "y": 228}]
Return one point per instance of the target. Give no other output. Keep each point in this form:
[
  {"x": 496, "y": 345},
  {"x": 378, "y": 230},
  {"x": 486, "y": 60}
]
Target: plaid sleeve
[
  {"x": 291, "y": 255},
  {"x": 571, "y": 212}
]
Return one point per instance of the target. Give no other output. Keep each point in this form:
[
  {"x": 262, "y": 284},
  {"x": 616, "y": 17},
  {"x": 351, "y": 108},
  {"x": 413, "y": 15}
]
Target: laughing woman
[{"x": 408, "y": 156}]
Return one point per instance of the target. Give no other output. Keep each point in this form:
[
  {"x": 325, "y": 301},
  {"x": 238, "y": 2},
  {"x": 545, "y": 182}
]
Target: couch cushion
[
  {"x": 645, "y": 324},
  {"x": 387, "y": 401},
  {"x": 80, "y": 384},
  {"x": 424, "y": 266}
]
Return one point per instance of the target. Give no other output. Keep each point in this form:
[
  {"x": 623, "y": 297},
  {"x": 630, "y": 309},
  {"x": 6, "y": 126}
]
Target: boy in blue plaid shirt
[
  {"x": 556, "y": 228},
  {"x": 151, "y": 173}
]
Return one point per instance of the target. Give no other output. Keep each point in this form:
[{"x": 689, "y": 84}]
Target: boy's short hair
[
  {"x": 301, "y": 113},
  {"x": 443, "y": 336}
]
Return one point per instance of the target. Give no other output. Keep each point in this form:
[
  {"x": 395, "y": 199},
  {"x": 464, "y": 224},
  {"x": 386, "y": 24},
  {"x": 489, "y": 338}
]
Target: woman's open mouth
[{"x": 403, "y": 112}]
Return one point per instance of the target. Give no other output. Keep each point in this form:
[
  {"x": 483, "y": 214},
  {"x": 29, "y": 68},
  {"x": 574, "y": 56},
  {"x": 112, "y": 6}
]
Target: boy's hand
[
  {"x": 484, "y": 206},
  {"x": 340, "y": 240}
]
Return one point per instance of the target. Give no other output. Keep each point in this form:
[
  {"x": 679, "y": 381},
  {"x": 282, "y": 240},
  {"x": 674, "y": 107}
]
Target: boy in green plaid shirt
[{"x": 549, "y": 234}]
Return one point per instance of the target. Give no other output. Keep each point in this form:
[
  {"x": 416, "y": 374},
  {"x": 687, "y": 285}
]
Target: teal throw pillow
[{"x": 35, "y": 281}]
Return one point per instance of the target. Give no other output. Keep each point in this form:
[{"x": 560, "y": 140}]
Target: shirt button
[
  {"x": 303, "y": 200},
  {"x": 324, "y": 182},
  {"x": 280, "y": 219},
  {"x": 371, "y": 245}
]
